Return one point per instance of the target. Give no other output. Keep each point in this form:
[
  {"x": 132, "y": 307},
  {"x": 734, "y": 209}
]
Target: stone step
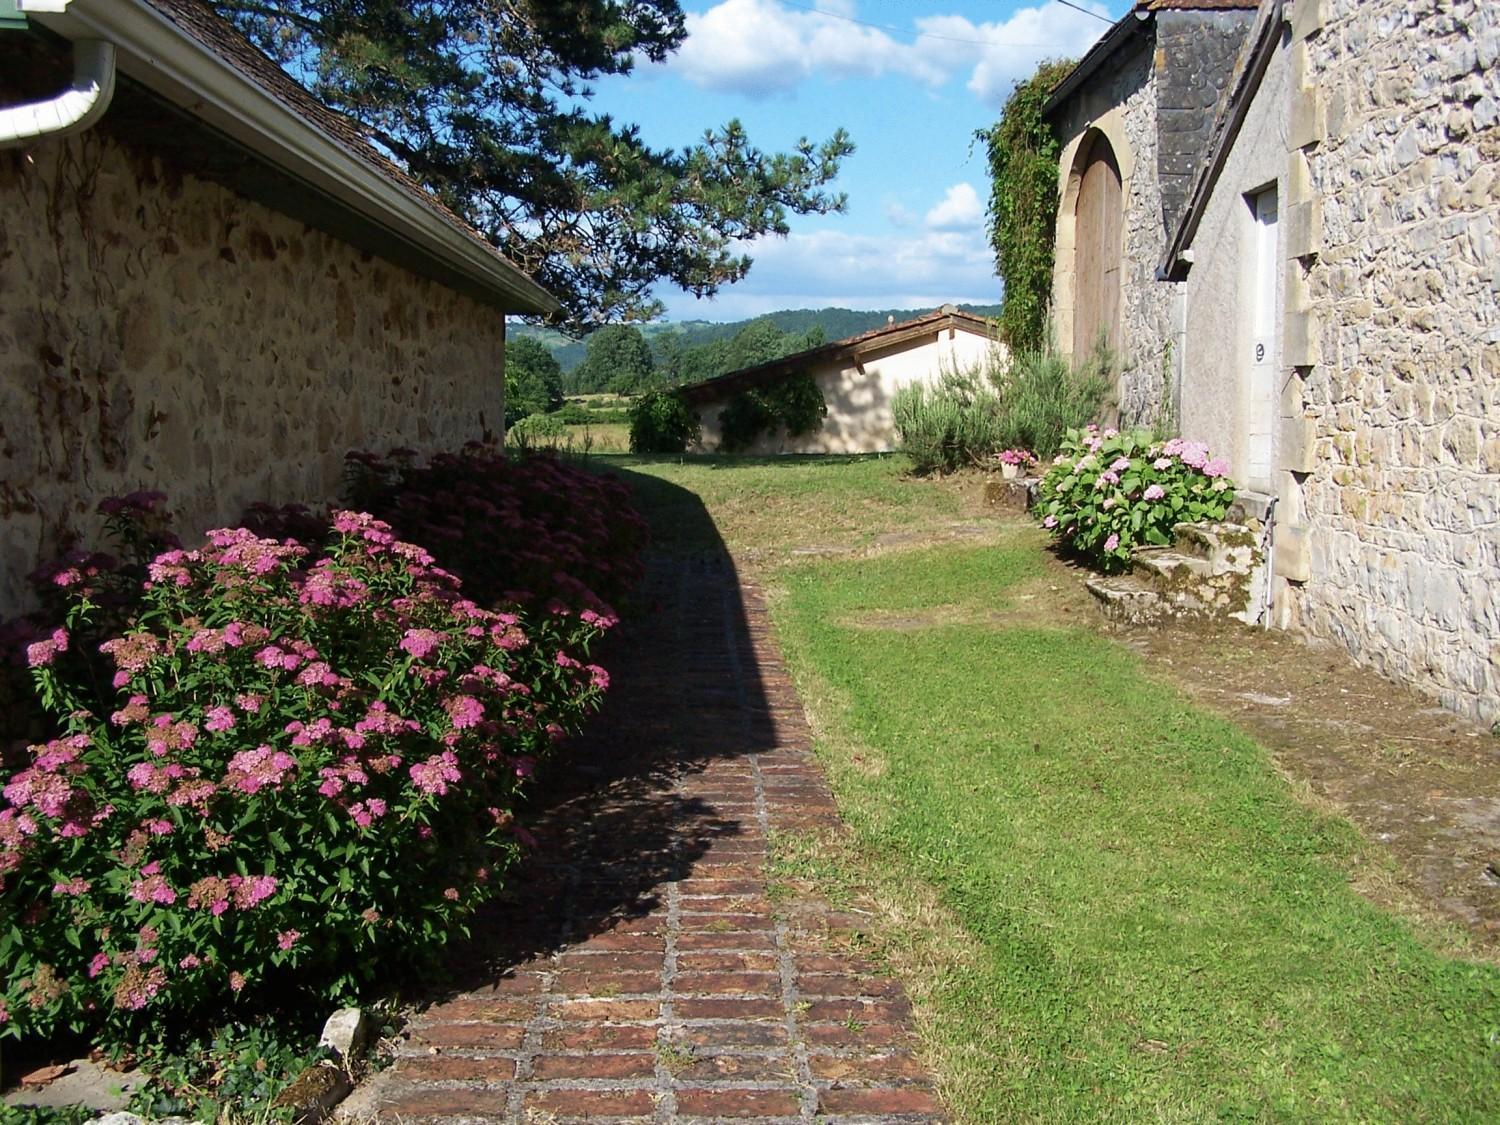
[
  {"x": 1228, "y": 547},
  {"x": 1128, "y": 599},
  {"x": 1168, "y": 569}
]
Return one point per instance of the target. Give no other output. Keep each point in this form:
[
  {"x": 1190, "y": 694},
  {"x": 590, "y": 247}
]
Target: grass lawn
[
  {"x": 765, "y": 508},
  {"x": 1106, "y": 903},
  {"x": 598, "y": 437}
]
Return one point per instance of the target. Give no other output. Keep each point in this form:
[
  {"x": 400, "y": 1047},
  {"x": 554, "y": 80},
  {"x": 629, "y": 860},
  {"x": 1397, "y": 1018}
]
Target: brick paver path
[{"x": 641, "y": 970}]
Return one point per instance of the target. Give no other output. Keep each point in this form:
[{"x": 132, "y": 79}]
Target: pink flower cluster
[
  {"x": 250, "y": 771},
  {"x": 44, "y": 652},
  {"x": 435, "y": 773}
]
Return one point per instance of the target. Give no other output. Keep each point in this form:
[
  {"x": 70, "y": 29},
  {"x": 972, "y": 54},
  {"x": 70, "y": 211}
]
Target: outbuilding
[{"x": 858, "y": 377}]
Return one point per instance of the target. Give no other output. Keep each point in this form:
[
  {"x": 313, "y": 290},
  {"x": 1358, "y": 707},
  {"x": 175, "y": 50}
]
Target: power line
[
  {"x": 932, "y": 34},
  {"x": 1085, "y": 11}
]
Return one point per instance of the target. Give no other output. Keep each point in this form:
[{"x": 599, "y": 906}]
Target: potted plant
[{"x": 1015, "y": 463}]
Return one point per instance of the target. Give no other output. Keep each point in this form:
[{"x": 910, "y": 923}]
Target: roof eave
[
  {"x": 1133, "y": 23},
  {"x": 163, "y": 57}
]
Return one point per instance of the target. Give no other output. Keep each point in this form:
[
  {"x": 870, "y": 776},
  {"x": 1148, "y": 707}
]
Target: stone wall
[
  {"x": 1120, "y": 102},
  {"x": 1397, "y": 116},
  {"x": 159, "y": 331}
]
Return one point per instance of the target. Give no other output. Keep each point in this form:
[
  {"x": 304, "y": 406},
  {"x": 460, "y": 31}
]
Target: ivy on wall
[
  {"x": 794, "y": 402},
  {"x": 1023, "y": 153}
]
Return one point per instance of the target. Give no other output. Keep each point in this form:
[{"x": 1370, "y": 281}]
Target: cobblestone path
[{"x": 640, "y": 970}]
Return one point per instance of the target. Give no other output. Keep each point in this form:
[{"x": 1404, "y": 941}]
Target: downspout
[{"x": 73, "y": 110}]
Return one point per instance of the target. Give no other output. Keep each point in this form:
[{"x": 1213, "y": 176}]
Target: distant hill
[{"x": 836, "y": 325}]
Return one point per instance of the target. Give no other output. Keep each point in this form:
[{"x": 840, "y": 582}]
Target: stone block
[
  {"x": 1306, "y": 125},
  {"x": 1297, "y": 64},
  {"x": 1290, "y": 556},
  {"x": 1308, "y": 17},
  {"x": 1008, "y": 495},
  {"x": 1300, "y": 346},
  {"x": 1304, "y": 229},
  {"x": 1295, "y": 297},
  {"x": 1297, "y": 444}
]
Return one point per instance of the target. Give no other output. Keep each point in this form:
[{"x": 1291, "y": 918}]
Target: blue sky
[{"x": 911, "y": 80}]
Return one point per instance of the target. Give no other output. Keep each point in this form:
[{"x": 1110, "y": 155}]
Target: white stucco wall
[
  {"x": 1214, "y": 394},
  {"x": 859, "y": 395}
]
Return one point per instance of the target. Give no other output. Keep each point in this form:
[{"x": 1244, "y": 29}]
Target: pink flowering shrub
[
  {"x": 293, "y": 766},
  {"x": 523, "y": 529},
  {"x": 1107, "y": 492}
]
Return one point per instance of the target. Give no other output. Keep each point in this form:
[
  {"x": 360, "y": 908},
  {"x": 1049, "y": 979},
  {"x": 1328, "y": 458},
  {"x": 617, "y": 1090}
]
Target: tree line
[{"x": 621, "y": 360}]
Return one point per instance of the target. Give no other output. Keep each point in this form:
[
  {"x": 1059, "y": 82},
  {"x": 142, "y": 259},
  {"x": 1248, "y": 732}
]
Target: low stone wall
[
  {"x": 159, "y": 331},
  {"x": 1401, "y": 112}
]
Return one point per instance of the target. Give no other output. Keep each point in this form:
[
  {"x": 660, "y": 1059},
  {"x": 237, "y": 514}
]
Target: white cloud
[
  {"x": 960, "y": 210},
  {"x": 760, "y": 48},
  {"x": 829, "y": 267},
  {"x": 898, "y": 214}
]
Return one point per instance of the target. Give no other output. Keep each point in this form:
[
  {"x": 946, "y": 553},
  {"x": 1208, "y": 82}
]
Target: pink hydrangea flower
[
  {"x": 287, "y": 938},
  {"x": 1218, "y": 467},
  {"x": 1154, "y": 492},
  {"x": 1112, "y": 542}
]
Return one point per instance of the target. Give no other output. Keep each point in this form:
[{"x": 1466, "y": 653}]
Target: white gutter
[
  {"x": 73, "y": 110},
  {"x": 167, "y": 59}
]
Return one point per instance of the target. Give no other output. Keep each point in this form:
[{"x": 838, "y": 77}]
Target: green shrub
[
  {"x": 794, "y": 403},
  {"x": 1027, "y": 402},
  {"x": 745, "y": 417},
  {"x": 950, "y": 424},
  {"x": 1042, "y": 397},
  {"x": 1107, "y": 492},
  {"x": 662, "y": 422},
  {"x": 575, "y": 414},
  {"x": 534, "y": 430}
]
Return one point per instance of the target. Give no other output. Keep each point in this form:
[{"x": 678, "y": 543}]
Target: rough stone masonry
[
  {"x": 159, "y": 331},
  {"x": 1402, "y": 104}
]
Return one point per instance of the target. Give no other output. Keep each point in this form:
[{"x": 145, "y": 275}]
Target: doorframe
[{"x": 1111, "y": 125}]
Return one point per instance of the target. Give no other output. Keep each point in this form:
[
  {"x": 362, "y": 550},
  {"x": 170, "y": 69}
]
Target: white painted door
[{"x": 1260, "y": 385}]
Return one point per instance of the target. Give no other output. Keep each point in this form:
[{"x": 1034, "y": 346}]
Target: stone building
[
  {"x": 1324, "y": 301},
  {"x": 213, "y": 285},
  {"x": 858, "y": 378}
]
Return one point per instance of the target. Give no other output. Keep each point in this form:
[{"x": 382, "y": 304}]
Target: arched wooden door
[{"x": 1096, "y": 305}]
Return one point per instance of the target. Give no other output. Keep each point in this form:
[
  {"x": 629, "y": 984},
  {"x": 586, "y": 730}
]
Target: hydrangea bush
[
  {"x": 296, "y": 762},
  {"x": 1109, "y": 491}
]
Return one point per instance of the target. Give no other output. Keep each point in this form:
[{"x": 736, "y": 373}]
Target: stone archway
[{"x": 1098, "y": 217}]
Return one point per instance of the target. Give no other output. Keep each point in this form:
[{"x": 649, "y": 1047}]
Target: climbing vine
[
  {"x": 1023, "y": 152},
  {"x": 794, "y": 403}
]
